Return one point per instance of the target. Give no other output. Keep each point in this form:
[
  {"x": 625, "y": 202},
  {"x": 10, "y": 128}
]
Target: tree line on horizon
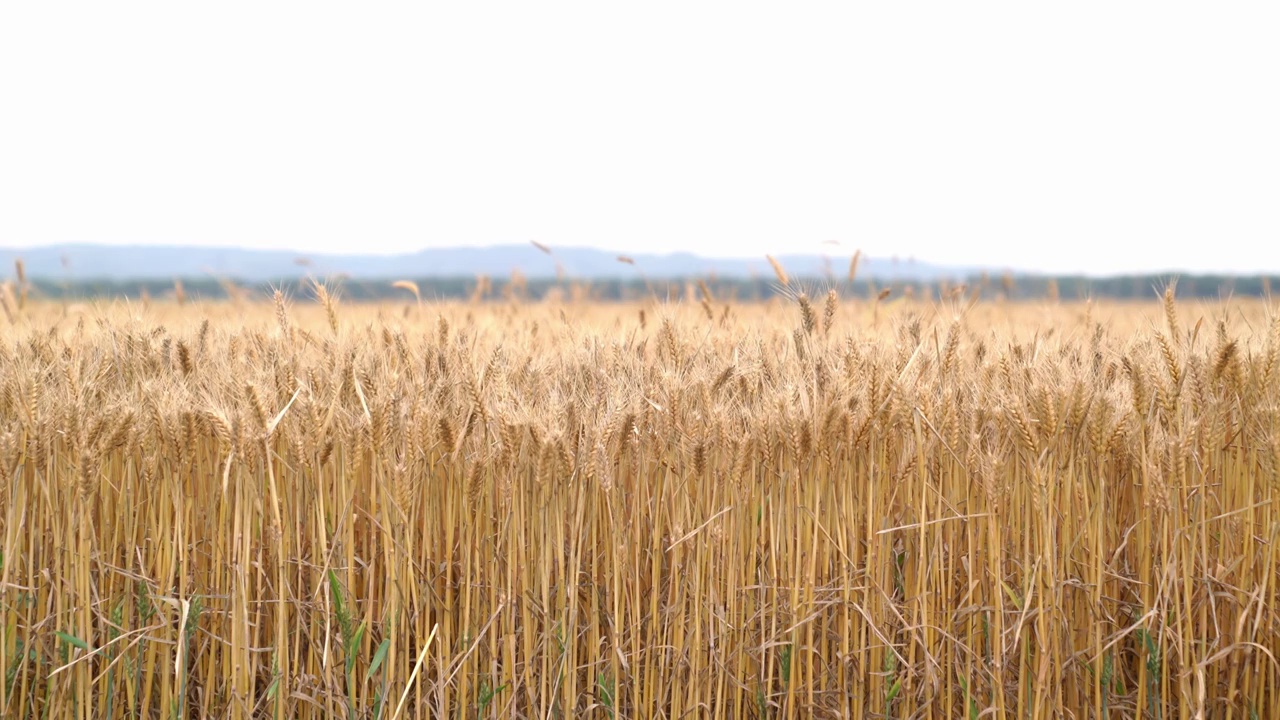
[{"x": 1066, "y": 288}]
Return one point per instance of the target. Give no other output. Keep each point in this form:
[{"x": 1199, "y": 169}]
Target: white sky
[{"x": 1096, "y": 136}]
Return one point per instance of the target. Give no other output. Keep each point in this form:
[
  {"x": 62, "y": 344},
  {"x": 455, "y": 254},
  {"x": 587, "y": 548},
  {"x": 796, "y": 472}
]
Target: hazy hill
[{"x": 98, "y": 262}]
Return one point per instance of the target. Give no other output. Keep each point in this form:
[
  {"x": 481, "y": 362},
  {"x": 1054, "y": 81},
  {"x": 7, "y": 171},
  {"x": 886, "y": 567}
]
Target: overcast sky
[{"x": 1096, "y": 136}]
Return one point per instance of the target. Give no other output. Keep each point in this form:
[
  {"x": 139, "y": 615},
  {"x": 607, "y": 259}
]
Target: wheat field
[{"x": 799, "y": 509}]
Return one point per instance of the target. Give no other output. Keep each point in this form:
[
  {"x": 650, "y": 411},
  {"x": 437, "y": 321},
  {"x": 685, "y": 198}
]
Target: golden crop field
[{"x": 800, "y": 509}]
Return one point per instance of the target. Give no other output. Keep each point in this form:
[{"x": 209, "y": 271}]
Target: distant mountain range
[{"x": 137, "y": 262}]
